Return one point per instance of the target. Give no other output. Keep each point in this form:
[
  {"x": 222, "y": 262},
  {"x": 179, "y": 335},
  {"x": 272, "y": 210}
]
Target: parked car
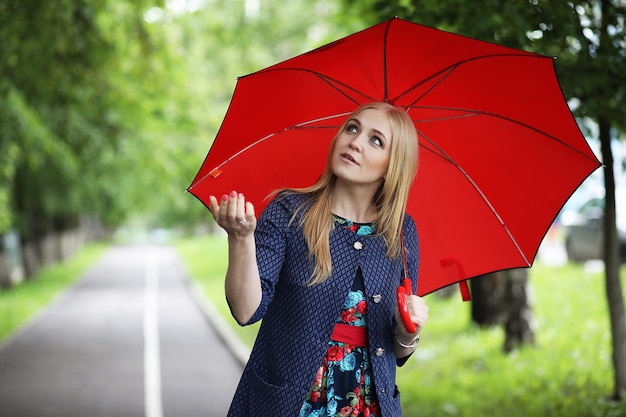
[{"x": 584, "y": 228}]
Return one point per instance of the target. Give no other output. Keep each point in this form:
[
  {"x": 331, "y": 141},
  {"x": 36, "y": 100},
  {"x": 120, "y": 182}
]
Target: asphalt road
[{"x": 129, "y": 339}]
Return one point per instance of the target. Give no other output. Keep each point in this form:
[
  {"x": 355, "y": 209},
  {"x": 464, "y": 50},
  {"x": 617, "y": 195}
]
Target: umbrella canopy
[{"x": 500, "y": 151}]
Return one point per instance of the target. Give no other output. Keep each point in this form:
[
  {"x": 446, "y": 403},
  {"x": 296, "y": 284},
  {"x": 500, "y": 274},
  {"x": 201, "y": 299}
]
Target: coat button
[
  {"x": 379, "y": 352},
  {"x": 376, "y": 298},
  {"x": 358, "y": 245},
  {"x": 383, "y": 390}
]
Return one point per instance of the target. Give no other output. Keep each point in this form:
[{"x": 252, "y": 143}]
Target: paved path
[{"x": 127, "y": 340}]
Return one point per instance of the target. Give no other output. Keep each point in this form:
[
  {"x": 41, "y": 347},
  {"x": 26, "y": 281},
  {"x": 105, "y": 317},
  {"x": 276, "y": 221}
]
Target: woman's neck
[{"x": 354, "y": 204}]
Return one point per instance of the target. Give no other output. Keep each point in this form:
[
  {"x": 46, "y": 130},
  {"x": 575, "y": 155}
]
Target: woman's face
[{"x": 363, "y": 149}]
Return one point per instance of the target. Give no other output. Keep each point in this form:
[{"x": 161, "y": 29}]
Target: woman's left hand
[{"x": 418, "y": 310}]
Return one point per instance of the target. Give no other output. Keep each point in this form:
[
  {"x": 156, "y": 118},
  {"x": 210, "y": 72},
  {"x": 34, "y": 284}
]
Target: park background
[{"x": 108, "y": 107}]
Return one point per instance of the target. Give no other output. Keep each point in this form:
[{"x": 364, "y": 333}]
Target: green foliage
[
  {"x": 56, "y": 108},
  {"x": 9, "y": 155},
  {"x": 108, "y": 107},
  {"x": 461, "y": 370},
  {"x": 589, "y": 38},
  {"x": 20, "y": 303}
]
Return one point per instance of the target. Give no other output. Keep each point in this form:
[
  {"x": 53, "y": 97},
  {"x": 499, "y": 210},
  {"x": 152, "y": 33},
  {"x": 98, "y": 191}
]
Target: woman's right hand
[{"x": 233, "y": 214}]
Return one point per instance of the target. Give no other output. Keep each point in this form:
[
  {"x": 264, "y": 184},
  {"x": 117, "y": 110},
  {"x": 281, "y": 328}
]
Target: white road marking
[{"x": 152, "y": 353}]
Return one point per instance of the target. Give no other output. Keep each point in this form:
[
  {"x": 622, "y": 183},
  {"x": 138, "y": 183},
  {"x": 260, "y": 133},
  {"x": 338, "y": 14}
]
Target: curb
[{"x": 239, "y": 350}]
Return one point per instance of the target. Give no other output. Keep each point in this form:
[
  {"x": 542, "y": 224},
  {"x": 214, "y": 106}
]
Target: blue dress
[{"x": 343, "y": 385}]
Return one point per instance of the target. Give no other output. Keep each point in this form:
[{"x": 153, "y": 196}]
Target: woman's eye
[
  {"x": 352, "y": 128},
  {"x": 377, "y": 141}
]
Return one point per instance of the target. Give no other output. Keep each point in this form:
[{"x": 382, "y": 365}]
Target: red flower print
[
  {"x": 352, "y": 228},
  {"x": 362, "y": 403},
  {"x": 335, "y": 353},
  {"x": 361, "y": 307},
  {"x": 318, "y": 377},
  {"x": 349, "y": 315},
  {"x": 345, "y": 411},
  {"x": 374, "y": 408},
  {"x": 315, "y": 396}
]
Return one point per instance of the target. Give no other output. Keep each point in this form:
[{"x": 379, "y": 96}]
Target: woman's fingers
[
  {"x": 233, "y": 213},
  {"x": 214, "y": 207},
  {"x": 232, "y": 204},
  {"x": 240, "y": 215},
  {"x": 250, "y": 216},
  {"x": 418, "y": 310}
]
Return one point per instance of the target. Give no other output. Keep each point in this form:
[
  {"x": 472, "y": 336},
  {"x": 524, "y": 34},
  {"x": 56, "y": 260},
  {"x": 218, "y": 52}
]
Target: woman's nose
[{"x": 356, "y": 144}]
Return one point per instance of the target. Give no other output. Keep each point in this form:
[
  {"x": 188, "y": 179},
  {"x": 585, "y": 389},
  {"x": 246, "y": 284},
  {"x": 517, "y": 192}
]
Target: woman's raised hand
[
  {"x": 242, "y": 284},
  {"x": 233, "y": 213}
]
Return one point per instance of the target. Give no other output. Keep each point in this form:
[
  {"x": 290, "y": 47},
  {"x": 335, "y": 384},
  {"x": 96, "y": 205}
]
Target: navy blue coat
[{"x": 298, "y": 318}]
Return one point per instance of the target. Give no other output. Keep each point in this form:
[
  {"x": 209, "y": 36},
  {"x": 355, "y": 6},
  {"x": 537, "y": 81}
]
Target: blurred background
[{"x": 108, "y": 108}]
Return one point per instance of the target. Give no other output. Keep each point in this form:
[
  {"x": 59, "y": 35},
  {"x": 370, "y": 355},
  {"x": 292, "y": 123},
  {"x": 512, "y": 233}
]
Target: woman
[{"x": 321, "y": 268}]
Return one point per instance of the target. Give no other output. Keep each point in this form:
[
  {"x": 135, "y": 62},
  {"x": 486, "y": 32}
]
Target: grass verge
[
  {"x": 206, "y": 259},
  {"x": 24, "y": 300}
]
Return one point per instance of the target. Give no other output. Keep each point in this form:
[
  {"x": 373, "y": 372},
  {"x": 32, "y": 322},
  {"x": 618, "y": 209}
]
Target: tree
[
  {"x": 593, "y": 45},
  {"x": 70, "y": 124}
]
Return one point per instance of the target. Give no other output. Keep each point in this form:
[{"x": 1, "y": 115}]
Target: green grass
[
  {"x": 22, "y": 301},
  {"x": 460, "y": 370},
  {"x": 206, "y": 259}
]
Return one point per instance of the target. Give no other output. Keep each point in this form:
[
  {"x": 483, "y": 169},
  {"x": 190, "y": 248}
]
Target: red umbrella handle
[{"x": 401, "y": 293}]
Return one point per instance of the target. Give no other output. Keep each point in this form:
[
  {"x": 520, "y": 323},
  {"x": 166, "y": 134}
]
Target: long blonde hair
[{"x": 390, "y": 199}]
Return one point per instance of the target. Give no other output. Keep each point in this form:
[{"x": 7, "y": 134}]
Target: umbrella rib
[
  {"x": 269, "y": 136},
  {"x": 475, "y": 113},
  {"x": 447, "y": 71},
  {"x": 448, "y": 158},
  {"x": 385, "y": 81},
  {"x": 328, "y": 80}
]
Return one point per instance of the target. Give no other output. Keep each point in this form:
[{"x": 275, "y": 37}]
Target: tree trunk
[
  {"x": 30, "y": 259},
  {"x": 487, "y": 291},
  {"x": 503, "y": 298},
  {"x": 612, "y": 265},
  {"x": 519, "y": 322},
  {"x": 5, "y": 271}
]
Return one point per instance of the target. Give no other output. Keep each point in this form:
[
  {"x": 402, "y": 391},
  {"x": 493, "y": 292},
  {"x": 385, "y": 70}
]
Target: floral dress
[{"x": 343, "y": 385}]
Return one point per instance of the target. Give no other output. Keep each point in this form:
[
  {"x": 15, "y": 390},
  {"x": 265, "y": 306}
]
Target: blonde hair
[{"x": 390, "y": 199}]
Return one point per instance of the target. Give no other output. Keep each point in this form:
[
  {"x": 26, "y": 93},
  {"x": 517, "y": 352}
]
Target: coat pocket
[{"x": 273, "y": 394}]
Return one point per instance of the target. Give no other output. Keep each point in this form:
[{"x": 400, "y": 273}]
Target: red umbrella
[{"x": 500, "y": 152}]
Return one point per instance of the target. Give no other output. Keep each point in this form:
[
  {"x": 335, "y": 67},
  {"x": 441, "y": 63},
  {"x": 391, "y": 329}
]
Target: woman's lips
[{"x": 349, "y": 158}]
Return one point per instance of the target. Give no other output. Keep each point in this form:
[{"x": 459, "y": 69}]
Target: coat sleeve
[
  {"x": 412, "y": 250},
  {"x": 411, "y": 242},
  {"x": 271, "y": 240}
]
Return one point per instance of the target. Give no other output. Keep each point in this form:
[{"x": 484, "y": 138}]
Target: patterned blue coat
[{"x": 298, "y": 319}]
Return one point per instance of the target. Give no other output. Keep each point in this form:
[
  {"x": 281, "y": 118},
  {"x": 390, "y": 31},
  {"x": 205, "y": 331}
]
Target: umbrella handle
[{"x": 401, "y": 293}]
